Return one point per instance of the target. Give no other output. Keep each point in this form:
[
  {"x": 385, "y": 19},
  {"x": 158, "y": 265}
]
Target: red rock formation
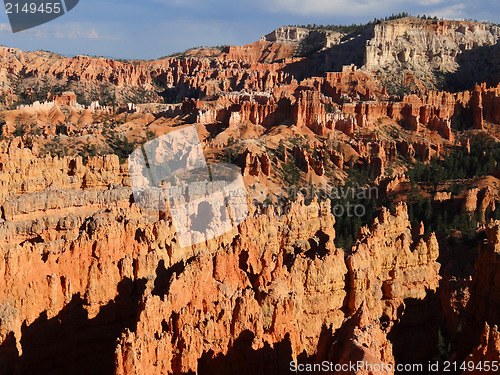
[
  {"x": 406, "y": 149},
  {"x": 309, "y": 111},
  {"x": 70, "y": 232},
  {"x": 261, "y": 51},
  {"x": 66, "y": 98},
  {"x": 38, "y": 174},
  {"x": 346, "y": 123},
  {"x": 337, "y": 158},
  {"x": 256, "y": 286},
  {"x": 307, "y": 163},
  {"x": 376, "y": 154},
  {"x": 361, "y": 340},
  {"x": 483, "y": 309},
  {"x": 486, "y": 201},
  {"x": 486, "y": 354},
  {"x": 423, "y": 150},
  {"x": 256, "y": 165},
  {"x": 478, "y": 201},
  {"x": 220, "y": 306},
  {"x": 391, "y": 184},
  {"x": 381, "y": 262},
  {"x": 454, "y": 295}
]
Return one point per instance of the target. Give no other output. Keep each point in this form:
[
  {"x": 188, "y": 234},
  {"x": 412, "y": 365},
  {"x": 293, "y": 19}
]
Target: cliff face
[
  {"x": 362, "y": 340},
  {"x": 262, "y": 51},
  {"x": 435, "y": 111},
  {"x": 487, "y": 352},
  {"x": 484, "y": 304},
  {"x": 280, "y": 289},
  {"x": 81, "y": 254},
  {"x": 73, "y": 250},
  {"x": 388, "y": 267},
  {"x": 483, "y": 309},
  {"x": 426, "y": 44},
  {"x": 459, "y": 54},
  {"x": 51, "y": 174},
  {"x": 287, "y": 35},
  {"x": 297, "y": 36},
  {"x": 270, "y": 283},
  {"x": 408, "y": 49},
  {"x": 190, "y": 76}
]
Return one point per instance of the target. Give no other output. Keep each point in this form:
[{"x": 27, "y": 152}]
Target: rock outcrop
[
  {"x": 483, "y": 309},
  {"x": 386, "y": 267},
  {"x": 486, "y": 354},
  {"x": 271, "y": 285},
  {"x": 261, "y": 293},
  {"x": 426, "y": 45},
  {"x": 361, "y": 340}
]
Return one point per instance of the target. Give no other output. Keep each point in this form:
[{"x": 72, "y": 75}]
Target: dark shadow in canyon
[
  {"x": 8, "y": 352},
  {"x": 351, "y": 50},
  {"x": 164, "y": 276},
  {"x": 318, "y": 245},
  {"x": 477, "y": 65},
  {"x": 241, "y": 359},
  {"x": 415, "y": 336},
  {"x": 71, "y": 343}
]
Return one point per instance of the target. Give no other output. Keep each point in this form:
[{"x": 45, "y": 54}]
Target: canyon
[{"x": 93, "y": 282}]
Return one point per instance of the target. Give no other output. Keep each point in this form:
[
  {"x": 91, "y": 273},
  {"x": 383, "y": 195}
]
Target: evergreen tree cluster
[
  {"x": 459, "y": 164},
  {"x": 354, "y": 28},
  {"x": 39, "y": 91},
  {"x": 347, "y": 226},
  {"x": 441, "y": 217}
]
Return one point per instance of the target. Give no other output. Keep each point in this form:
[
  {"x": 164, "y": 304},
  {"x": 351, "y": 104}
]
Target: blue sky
[{"x": 152, "y": 28}]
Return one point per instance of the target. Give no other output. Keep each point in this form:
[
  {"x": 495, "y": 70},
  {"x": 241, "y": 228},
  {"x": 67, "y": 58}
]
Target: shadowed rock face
[
  {"x": 483, "y": 314},
  {"x": 254, "y": 286},
  {"x": 65, "y": 276},
  {"x": 426, "y": 44}
]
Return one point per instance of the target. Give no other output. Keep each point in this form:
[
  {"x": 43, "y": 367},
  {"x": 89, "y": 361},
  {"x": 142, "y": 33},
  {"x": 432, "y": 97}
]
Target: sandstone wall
[
  {"x": 279, "y": 289},
  {"x": 70, "y": 246},
  {"x": 480, "y": 334},
  {"x": 426, "y": 44}
]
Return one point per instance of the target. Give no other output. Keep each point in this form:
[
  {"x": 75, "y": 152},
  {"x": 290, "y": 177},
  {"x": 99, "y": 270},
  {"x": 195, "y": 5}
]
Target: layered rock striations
[
  {"x": 79, "y": 248},
  {"x": 291, "y": 289},
  {"x": 426, "y": 44},
  {"x": 388, "y": 267},
  {"x": 416, "y": 45}
]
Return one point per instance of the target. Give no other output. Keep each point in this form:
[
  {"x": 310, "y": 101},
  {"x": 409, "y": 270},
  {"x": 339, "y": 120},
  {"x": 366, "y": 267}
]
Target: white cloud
[
  {"x": 5, "y": 28},
  {"x": 333, "y": 8},
  {"x": 430, "y": 2},
  {"x": 451, "y": 12},
  {"x": 364, "y": 8},
  {"x": 72, "y": 30}
]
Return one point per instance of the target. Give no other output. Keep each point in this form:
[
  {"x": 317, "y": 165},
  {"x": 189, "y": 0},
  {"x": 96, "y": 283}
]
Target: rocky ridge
[{"x": 287, "y": 284}]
